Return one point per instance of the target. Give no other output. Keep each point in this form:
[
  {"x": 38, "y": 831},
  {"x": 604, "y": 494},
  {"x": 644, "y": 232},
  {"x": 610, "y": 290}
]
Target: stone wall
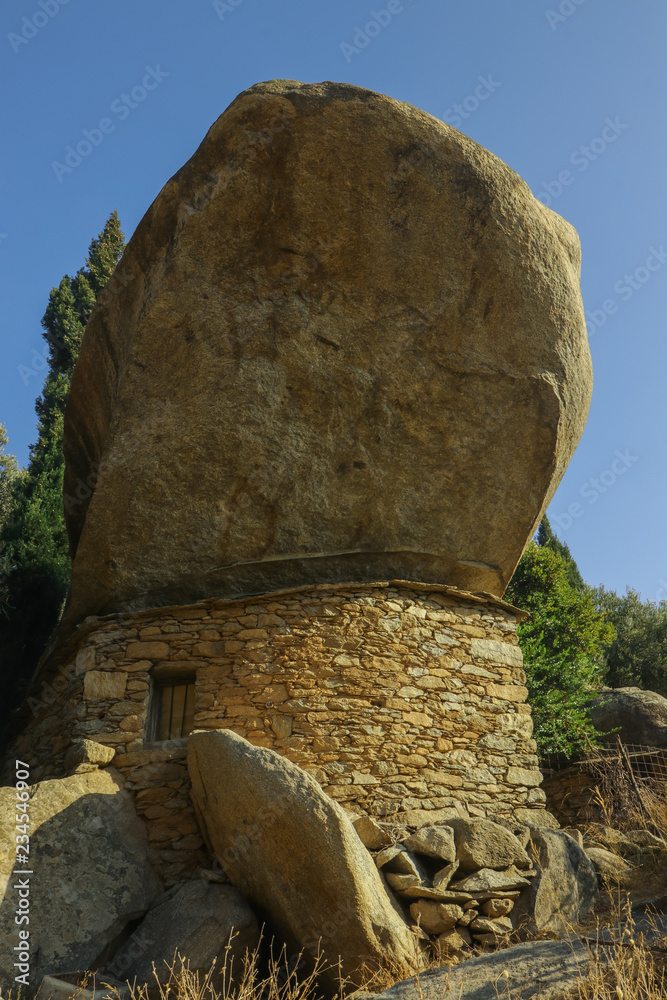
[
  {"x": 571, "y": 796},
  {"x": 396, "y": 697}
]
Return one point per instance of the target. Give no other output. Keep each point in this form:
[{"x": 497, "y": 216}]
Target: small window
[{"x": 175, "y": 709}]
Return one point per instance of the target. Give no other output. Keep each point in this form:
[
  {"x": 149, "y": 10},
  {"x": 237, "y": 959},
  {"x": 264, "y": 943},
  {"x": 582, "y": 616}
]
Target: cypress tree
[
  {"x": 33, "y": 540},
  {"x": 547, "y": 539}
]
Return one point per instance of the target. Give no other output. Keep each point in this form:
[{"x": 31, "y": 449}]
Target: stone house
[
  {"x": 311, "y": 481},
  {"x": 401, "y": 699}
]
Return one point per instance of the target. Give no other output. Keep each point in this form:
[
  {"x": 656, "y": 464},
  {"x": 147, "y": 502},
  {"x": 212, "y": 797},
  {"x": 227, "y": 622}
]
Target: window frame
[{"x": 168, "y": 676}]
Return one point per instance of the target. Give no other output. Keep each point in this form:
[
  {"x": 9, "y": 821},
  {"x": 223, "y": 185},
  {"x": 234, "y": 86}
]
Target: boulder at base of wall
[
  {"x": 91, "y": 873},
  {"x": 565, "y": 889},
  {"x": 196, "y": 921},
  {"x": 294, "y": 852},
  {"x": 480, "y": 843},
  {"x": 537, "y": 817},
  {"x": 609, "y": 867},
  {"x": 636, "y": 846}
]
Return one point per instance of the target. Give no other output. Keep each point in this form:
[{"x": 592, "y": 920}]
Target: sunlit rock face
[{"x": 345, "y": 343}]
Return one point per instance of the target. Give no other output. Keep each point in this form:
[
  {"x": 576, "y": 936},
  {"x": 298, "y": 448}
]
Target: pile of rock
[
  {"x": 617, "y": 855},
  {"x": 356, "y": 891},
  {"x": 454, "y": 885},
  {"x": 458, "y": 882}
]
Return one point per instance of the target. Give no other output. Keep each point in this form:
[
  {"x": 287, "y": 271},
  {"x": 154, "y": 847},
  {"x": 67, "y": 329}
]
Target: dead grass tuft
[
  {"x": 632, "y": 967},
  {"x": 281, "y": 977}
]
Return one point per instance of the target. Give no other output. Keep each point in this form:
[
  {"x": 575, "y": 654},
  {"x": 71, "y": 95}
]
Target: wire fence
[
  {"x": 646, "y": 763},
  {"x": 621, "y": 782}
]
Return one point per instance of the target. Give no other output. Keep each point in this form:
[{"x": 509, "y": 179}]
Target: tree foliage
[
  {"x": 10, "y": 482},
  {"x": 638, "y": 655},
  {"x": 562, "y": 641},
  {"x": 547, "y": 539},
  {"x": 33, "y": 540},
  {"x": 9, "y": 472}
]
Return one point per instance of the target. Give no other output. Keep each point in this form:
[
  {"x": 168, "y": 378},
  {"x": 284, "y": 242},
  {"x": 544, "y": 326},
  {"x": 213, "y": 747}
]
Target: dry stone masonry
[{"x": 400, "y": 701}]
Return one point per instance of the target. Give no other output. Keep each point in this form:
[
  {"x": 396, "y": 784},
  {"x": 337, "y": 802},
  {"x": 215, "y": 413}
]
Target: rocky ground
[
  {"x": 618, "y": 951},
  {"x": 454, "y": 903},
  {"x": 473, "y": 883}
]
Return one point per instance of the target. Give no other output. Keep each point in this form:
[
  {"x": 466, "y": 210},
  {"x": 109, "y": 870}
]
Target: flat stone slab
[
  {"x": 537, "y": 969},
  {"x": 440, "y": 895},
  {"x": 489, "y": 880}
]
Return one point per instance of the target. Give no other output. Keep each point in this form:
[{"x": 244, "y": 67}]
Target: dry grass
[
  {"x": 634, "y": 967},
  {"x": 276, "y": 978},
  {"x": 254, "y": 978},
  {"x": 620, "y": 807},
  {"x": 625, "y": 800},
  {"x": 631, "y": 968}
]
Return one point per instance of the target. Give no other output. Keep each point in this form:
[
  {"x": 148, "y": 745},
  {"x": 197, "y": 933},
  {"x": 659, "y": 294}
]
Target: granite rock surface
[{"x": 344, "y": 343}]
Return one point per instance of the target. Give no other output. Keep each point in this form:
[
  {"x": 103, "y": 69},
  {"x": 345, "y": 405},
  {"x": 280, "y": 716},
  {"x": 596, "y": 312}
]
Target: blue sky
[{"x": 574, "y": 102}]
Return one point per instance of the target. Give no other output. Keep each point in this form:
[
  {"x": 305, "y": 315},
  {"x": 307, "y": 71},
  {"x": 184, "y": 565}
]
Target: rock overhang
[{"x": 345, "y": 343}]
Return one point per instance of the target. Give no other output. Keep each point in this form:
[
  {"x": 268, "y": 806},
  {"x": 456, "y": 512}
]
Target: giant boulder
[
  {"x": 344, "y": 343},
  {"x": 294, "y": 852},
  {"x": 91, "y": 877},
  {"x": 636, "y": 716}
]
